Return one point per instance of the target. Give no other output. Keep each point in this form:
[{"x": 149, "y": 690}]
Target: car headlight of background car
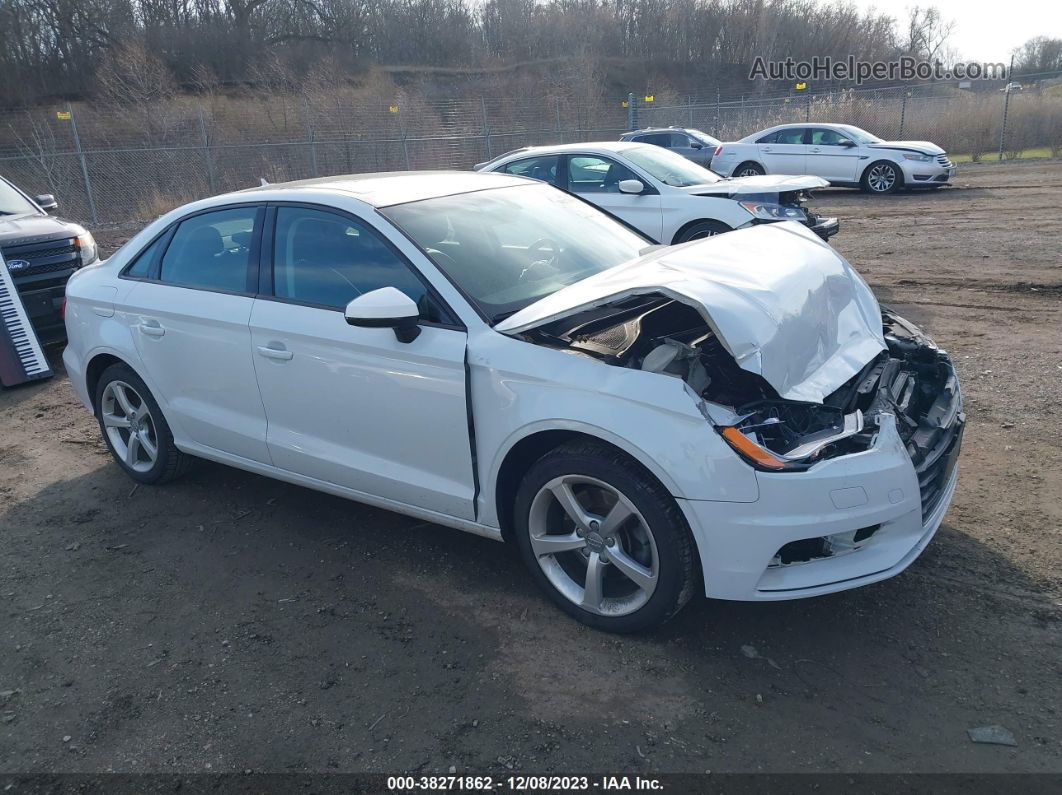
[
  {"x": 919, "y": 158},
  {"x": 86, "y": 246},
  {"x": 774, "y": 212}
]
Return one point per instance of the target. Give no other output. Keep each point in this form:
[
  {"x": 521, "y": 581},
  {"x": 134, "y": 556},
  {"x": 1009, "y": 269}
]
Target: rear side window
[
  {"x": 141, "y": 267},
  {"x": 541, "y": 168},
  {"x": 656, "y": 139},
  {"x": 213, "y": 251},
  {"x": 795, "y": 136}
]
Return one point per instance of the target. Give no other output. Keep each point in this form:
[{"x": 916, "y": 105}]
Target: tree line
[{"x": 71, "y": 49}]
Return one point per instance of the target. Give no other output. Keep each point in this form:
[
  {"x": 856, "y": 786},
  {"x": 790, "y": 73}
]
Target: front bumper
[
  {"x": 874, "y": 494},
  {"x": 917, "y": 174}
]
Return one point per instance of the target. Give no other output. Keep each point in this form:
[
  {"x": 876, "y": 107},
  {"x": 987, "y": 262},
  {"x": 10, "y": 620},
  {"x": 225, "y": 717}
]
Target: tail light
[{"x": 718, "y": 151}]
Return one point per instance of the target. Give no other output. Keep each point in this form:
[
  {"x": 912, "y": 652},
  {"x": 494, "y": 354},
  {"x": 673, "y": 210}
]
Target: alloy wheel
[
  {"x": 881, "y": 178},
  {"x": 593, "y": 545},
  {"x": 129, "y": 426}
]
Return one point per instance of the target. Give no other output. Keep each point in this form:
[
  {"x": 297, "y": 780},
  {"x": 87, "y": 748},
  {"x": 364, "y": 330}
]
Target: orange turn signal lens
[{"x": 750, "y": 450}]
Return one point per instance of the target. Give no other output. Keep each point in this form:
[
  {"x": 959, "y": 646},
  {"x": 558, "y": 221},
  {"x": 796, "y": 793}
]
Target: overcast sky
[{"x": 986, "y": 31}]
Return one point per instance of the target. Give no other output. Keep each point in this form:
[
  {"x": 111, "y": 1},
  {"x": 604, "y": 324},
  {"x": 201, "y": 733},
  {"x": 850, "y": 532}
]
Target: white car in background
[
  {"x": 662, "y": 194},
  {"x": 840, "y": 153},
  {"x": 488, "y": 353}
]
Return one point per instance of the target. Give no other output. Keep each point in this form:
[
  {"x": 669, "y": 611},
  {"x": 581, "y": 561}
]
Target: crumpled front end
[{"x": 864, "y": 505}]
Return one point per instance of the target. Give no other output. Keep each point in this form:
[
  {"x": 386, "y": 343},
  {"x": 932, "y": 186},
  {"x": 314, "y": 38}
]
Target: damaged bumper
[{"x": 826, "y": 227}]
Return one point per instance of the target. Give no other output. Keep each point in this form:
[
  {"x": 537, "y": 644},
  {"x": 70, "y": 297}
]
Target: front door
[
  {"x": 354, "y": 406},
  {"x": 785, "y": 152},
  {"x": 832, "y": 155},
  {"x": 596, "y": 179},
  {"x": 189, "y": 319}
]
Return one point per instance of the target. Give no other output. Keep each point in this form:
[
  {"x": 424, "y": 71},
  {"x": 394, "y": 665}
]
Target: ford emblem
[{"x": 18, "y": 264}]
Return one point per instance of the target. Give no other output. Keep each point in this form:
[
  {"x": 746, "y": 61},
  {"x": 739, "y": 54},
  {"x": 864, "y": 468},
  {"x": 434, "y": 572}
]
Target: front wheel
[
  {"x": 604, "y": 539},
  {"x": 134, "y": 429},
  {"x": 701, "y": 229},
  {"x": 749, "y": 169},
  {"x": 882, "y": 177}
]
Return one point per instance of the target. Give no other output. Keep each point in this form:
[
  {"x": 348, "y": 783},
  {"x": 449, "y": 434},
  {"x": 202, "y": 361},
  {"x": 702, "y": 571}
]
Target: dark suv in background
[
  {"x": 692, "y": 144},
  {"x": 41, "y": 252}
]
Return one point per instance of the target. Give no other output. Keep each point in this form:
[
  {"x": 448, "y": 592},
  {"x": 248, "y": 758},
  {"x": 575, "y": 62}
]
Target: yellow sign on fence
[
  {"x": 62, "y": 115},
  {"x": 801, "y": 86},
  {"x": 626, "y": 104},
  {"x": 392, "y": 108},
  {"x": 649, "y": 97}
]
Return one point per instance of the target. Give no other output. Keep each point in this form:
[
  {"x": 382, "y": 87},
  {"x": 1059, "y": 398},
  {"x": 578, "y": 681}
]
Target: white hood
[
  {"x": 783, "y": 303},
  {"x": 923, "y": 147},
  {"x": 764, "y": 183}
]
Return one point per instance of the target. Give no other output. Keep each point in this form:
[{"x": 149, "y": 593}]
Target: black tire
[
  {"x": 750, "y": 168},
  {"x": 701, "y": 229},
  {"x": 871, "y": 184},
  {"x": 677, "y": 573},
  {"x": 169, "y": 462}
]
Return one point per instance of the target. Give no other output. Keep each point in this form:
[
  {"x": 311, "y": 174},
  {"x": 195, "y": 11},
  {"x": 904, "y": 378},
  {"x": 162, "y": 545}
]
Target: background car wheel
[
  {"x": 749, "y": 169},
  {"x": 882, "y": 177},
  {"x": 134, "y": 429},
  {"x": 604, "y": 539},
  {"x": 701, "y": 229}
]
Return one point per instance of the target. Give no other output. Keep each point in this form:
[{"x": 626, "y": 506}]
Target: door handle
[
  {"x": 278, "y": 353},
  {"x": 766, "y": 149},
  {"x": 814, "y": 149},
  {"x": 152, "y": 328}
]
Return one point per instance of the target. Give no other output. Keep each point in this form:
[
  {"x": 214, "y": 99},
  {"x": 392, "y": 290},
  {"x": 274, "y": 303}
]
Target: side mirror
[
  {"x": 633, "y": 186},
  {"x": 47, "y": 202},
  {"x": 847, "y": 143},
  {"x": 695, "y": 145},
  {"x": 385, "y": 308}
]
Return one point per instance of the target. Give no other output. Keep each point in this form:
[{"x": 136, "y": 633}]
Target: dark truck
[{"x": 41, "y": 252}]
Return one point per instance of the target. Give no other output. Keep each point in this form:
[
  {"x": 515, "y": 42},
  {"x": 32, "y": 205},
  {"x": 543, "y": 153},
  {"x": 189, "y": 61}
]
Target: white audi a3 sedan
[
  {"x": 661, "y": 193},
  {"x": 491, "y": 354},
  {"x": 844, "y": 155}
]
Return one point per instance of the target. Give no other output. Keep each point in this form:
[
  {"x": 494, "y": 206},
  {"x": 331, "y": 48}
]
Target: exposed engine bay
[{"x": 912, "y": 379}]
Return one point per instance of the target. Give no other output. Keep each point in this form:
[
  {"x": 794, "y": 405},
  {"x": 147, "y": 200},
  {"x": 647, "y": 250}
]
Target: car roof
[
  {"x": 587, "y": 146},
  {"x": 794, "y": 125},
  {"x": 384, "y": 189}
]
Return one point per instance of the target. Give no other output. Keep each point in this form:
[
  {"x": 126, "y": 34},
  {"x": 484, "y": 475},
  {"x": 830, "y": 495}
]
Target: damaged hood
[
  {"x": 764, "y": 183},
  {"x": 783, "y": 303}
]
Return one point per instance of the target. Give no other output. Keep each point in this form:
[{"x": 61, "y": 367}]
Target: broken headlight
[
  {"x": 778, "y": 436},
  {"x": 773, "y": 212}
]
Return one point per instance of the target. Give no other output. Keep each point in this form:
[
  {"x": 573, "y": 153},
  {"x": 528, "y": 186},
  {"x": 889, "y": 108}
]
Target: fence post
[
  {"x": 903, "y": 115},
  {"x": 1006, "y": 106},
  {"x": 556, "y": 100},
  {"x": 208, "y": 158},
  {"x": 807, "y": 109},
  {"x": 632, "y": 113},
  {"x": 718, "y": 113},
  {"x": 689, "y": 104},
  {"x": 84, "y": 166},
  {"x": 405, "y": 148},
  {"x": 486, "y": 127}
]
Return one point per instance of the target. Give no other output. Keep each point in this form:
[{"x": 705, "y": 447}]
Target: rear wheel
[
  {"x": 749, "y": 169},
  {"x": 701, "y": 229},
  {"x": 882, "y": 177},
  {"x": 134, "y": 429},
  {"x": 604, "y": 539}
]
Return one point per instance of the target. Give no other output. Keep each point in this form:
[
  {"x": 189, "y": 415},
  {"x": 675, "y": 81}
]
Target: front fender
[{"x": 519, "y": 389}]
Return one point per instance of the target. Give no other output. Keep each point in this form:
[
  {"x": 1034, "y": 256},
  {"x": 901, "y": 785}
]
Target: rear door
[
  {"x": 784, "y": 151},
  {"x": 354, "y": 406},
  {"x": 189, "y": 318},
  {"x": 596, "y": 178}
]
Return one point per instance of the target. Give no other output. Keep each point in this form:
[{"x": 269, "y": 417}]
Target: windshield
[
  {"x": 670, "y": 168},
  {"x": 704, "y": 138},
  {"x": 861, "y": 136},
  {"x": 506, "y": 248},
  {"x": 12, "y": 202}
]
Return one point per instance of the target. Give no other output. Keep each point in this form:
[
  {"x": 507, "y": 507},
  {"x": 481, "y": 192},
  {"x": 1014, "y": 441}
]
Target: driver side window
[
  {"x": 827, "y": 138},
  {"x": 592, "y": 174},
  {"x": 326, "y": 259}
]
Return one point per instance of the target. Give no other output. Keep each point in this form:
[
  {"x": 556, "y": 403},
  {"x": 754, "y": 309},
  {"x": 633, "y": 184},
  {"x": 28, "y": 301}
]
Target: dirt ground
[{"x": 228, "y": 622}]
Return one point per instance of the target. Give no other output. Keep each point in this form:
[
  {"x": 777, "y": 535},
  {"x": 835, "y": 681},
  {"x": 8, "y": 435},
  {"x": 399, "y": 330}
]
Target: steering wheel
[{"x": 540, "y": 246}]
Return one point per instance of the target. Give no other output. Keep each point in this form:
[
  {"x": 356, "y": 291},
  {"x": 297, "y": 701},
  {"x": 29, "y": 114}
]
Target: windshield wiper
[{"x": 498, "y": 318}]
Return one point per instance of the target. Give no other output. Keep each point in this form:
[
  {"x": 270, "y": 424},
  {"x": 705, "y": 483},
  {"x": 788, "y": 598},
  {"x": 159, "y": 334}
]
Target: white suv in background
[
  {"x": 662, "y": 194},
  {"x": 845, "y": 155}
]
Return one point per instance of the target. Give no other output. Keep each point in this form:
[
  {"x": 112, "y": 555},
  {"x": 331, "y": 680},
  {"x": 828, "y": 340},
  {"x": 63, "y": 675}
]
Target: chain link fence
[{"x": 126, "y": 165}]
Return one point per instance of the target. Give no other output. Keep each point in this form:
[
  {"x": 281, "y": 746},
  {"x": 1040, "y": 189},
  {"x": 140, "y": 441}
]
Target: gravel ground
[{"x": 230, "y": 622}]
